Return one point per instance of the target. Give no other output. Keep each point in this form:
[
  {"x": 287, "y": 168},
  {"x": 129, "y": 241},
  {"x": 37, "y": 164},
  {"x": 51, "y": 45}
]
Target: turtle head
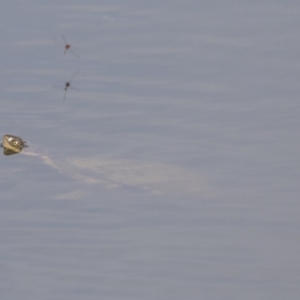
[{"x": 13, "y": 143}]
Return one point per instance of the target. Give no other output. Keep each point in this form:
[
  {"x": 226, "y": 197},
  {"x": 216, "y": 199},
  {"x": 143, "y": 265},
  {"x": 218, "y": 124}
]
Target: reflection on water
[{"x": 9, "y": 152}]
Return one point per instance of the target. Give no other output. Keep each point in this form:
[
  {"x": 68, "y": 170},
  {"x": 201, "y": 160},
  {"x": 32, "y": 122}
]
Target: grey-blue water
[{"x": 174, "y": 164}]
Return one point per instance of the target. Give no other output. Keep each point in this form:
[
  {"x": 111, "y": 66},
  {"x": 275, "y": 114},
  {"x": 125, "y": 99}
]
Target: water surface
[{"x": 209, "y": 89}]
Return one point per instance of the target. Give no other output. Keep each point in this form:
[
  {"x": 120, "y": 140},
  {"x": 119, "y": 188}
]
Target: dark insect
[{"x": 68, "y": 84}]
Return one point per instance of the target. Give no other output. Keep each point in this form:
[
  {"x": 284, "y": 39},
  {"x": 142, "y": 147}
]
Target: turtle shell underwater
[{"x": 153, "y": 177}]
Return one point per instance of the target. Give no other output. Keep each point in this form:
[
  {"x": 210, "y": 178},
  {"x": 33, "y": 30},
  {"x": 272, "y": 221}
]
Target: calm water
[{"x": 196, "y": 106}]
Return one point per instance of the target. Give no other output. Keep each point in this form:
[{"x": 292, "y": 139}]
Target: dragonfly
[
  {"x": 68, "y": 84},
  {"x": 68, "y": 47}
]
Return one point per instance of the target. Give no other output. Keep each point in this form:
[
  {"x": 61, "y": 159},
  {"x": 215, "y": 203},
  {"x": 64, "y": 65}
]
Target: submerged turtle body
[
  {"x": 155, "y": 178},
  {"x": 152, "y": 177}
]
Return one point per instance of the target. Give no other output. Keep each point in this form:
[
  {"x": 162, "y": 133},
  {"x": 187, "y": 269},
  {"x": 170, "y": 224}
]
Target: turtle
[
  {"x": 153, "y": 177},
  {"x": 12, "y": 144}
]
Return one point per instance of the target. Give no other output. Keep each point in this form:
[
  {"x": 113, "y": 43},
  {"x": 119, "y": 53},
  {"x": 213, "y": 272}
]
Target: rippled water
[{"x": 174, "y": 167}]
